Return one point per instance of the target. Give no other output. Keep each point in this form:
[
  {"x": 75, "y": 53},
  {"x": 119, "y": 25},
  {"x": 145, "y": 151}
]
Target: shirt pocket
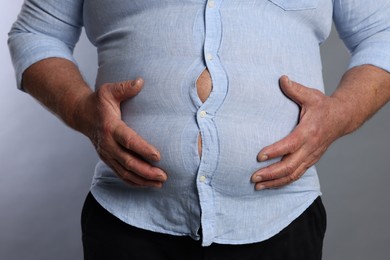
[{"x": 296, "y": 5}]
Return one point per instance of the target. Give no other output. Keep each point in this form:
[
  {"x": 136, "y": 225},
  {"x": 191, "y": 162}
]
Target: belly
[
  {"x": 203, "y": 86},
  {"x": 165, "y": 115}
]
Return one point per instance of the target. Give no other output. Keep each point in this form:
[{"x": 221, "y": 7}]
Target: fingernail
[
  {"x": 162, "y": 177},
  {"x": 260, "y": 187},
  {"x": 263, "y": 157},
  {"x": 134, "y": 82},
  {"x": 158, "y": 185},
  {"x": 257, "y": 178},
  {"x": 289, "y": 82},
  {"x": 155, "y": 157},
  {"x": 137, "y": 81}
]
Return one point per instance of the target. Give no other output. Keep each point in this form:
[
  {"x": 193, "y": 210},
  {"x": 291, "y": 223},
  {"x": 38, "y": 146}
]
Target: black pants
[{"x": 105, "y": 237}]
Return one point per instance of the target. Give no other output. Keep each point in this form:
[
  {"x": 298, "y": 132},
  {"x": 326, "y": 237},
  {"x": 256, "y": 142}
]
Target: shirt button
[
  {"x": 202, "y": 178},
  {"x": 211, "y": 4},
  {"x": 203, "y": 114},
  {"x": 209, "y": 56}
]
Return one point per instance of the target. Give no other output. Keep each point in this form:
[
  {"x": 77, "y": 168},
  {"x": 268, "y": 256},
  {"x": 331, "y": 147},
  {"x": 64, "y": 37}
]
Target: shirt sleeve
[
  {"x": 364, "y": 26},
  {"x": 44, "y": 29}
]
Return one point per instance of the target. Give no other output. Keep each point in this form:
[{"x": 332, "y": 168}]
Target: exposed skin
[
  {"x": 59, "y": 86},
  {"x": 362, "y": 91},
  {"x": 204, "y": 86}
]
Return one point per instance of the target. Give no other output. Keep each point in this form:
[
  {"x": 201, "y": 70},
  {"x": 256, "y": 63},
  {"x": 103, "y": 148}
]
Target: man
[{"x": 207, "y": 150}]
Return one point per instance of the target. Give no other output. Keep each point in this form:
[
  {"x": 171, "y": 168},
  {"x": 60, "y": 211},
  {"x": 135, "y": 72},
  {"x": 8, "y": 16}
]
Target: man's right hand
[
  {"x": 57, "y": 84},
  {"x": 98, "y": 116}
]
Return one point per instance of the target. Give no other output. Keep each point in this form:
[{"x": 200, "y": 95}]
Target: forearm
[
  {"x": 59, "y": 86},
  {"x": 362, "y": 91}
]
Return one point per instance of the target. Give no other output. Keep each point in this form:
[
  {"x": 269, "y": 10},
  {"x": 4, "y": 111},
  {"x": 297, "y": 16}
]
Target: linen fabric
[{"x": 246, "y": 46}]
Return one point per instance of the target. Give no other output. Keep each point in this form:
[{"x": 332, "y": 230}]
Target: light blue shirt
[{"x": 246, "y": 45}]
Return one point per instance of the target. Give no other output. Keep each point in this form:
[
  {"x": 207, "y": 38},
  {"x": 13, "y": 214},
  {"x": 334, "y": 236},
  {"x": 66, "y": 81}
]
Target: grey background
[{"x": 46, "y": 169}]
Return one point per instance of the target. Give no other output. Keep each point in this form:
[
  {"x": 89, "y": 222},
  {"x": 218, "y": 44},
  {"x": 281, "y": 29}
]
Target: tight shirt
[{"x": 246, "y": 45}]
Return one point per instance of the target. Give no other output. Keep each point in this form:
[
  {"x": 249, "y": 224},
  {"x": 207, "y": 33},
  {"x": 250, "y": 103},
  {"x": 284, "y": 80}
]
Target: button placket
[
  {"x": 211, "y": 4},
  {"x": 209, "y": 56},
  {"x": 206, "y": 118},
  {"x": 202, "y": 114}
]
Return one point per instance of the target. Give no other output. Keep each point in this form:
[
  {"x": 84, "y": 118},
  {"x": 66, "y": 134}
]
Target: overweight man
[{"x": 208, "y": 116}]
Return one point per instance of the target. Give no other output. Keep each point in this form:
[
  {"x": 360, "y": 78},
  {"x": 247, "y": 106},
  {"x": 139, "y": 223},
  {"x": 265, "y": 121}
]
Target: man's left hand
[{"x": 321, "y": 122}]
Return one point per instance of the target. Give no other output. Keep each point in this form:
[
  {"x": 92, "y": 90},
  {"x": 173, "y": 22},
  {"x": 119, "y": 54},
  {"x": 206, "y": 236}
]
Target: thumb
[
  {"x": 295, "y": 91},
  {"x": 126, "y": 89}
]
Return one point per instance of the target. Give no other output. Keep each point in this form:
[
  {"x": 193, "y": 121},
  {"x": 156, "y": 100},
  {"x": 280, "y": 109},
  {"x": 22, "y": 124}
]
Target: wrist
[
  {"x": 363, "y": 90},
  {"x": 345, "y": 113},
  {"x": 82, "y": 112}
]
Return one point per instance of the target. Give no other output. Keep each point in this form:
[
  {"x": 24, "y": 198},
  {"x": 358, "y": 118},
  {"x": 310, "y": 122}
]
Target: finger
[
  {"x": 131, "y": 178},
  {"x": 284, "y": 168},
  {"x": 295, "y": 91},
  {"x": 130, "y": 140},
  {"x": 134, "y": 164},
  {"x": 141, "y": 173},
  {"x": 280, "y": 182},
  {"x": 287, "y": 145},
  {"x": 126, "y": 89},
  {"x": 122, "y": 162}
]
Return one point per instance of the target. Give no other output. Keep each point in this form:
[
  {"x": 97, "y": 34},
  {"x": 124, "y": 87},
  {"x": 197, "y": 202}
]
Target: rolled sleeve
[
  {"x": 44, "y": 29},
  {"x": 365, "y": 29}
]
